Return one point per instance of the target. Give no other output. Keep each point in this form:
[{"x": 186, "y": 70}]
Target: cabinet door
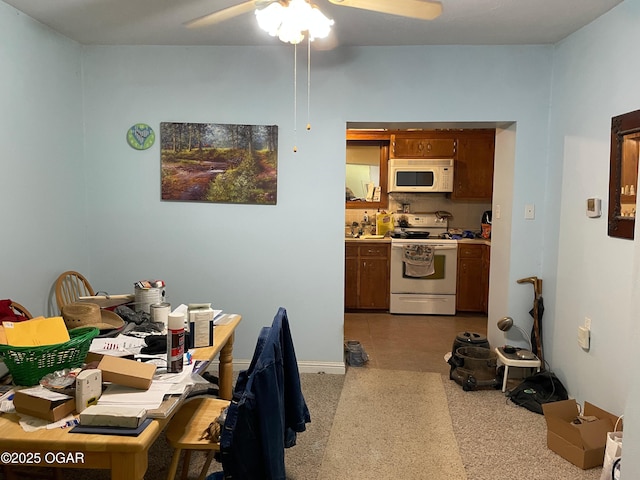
[
  {"x": 470, "y": 287},
  {"x": 486, "y": 263},
  {"x": 473, "y": 171},
  {"x": 408, "y": 147},
  {"x": 367, "y": 276},
  {"x": 351, "y": 265},
  {"x": 374, "y": 283}
]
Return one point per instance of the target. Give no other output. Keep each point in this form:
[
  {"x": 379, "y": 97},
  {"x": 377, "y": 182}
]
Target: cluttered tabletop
[{"x": 114, "y": 375}]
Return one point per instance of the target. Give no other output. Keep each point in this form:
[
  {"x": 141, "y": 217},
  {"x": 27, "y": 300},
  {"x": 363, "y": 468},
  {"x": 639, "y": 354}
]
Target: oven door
[{"x": 442, "y": 281}]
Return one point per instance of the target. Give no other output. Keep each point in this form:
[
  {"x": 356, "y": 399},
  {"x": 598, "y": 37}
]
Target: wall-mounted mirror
[
  {"x": 366, "y": 174},
  {"x": 623, "y": 174}
]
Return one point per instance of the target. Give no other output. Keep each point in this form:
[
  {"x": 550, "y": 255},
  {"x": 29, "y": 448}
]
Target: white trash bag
[{"x": 612, "y": 453}]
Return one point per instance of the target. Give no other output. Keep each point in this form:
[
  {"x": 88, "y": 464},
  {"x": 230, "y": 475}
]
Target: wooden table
[{"x": 126, "y": 457}]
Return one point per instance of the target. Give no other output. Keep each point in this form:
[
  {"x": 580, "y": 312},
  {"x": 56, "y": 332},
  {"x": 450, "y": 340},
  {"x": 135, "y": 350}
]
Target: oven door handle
[{"x": 435, "y": 247}]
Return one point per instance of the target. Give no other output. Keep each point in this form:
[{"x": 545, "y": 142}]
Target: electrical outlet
[
  {"x": 496, "y": 211},
  {"x": 587, "y": 323},
  {"x": 529, "y": 212}
]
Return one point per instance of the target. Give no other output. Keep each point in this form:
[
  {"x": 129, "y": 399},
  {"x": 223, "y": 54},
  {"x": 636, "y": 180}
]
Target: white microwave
[{"x": 418, "y": 175}]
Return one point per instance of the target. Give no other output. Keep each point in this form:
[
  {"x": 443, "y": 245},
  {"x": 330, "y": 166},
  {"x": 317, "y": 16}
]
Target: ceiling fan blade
[
  {"x": 420, "y": 9},
  {"x": 224, "y": 14}
]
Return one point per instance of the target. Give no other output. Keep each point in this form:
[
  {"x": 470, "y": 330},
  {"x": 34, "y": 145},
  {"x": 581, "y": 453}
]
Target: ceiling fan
[{"x": 419, "y": 9}]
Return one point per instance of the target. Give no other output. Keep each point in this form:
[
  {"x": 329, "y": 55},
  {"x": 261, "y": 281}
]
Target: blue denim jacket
[{"x": 267, "y": 409}]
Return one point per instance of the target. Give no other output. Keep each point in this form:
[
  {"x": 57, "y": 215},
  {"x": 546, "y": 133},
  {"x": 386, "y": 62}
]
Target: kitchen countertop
[
  {"x": 476, "y": 241},
  {"x": 368, "y": 239}
]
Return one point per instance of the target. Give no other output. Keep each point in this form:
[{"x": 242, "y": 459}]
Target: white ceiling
[{"x": 463, "y": 22}]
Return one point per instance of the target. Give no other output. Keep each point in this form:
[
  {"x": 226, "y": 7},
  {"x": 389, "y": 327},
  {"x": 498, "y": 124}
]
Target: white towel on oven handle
[{"x": 418, "y": 260}]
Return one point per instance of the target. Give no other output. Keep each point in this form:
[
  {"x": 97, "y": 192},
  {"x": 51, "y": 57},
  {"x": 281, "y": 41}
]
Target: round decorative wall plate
[{"x": 141, "y": 136}]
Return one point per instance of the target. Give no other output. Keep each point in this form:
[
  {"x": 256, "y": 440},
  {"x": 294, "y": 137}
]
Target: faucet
[{"x": 354, "y": 225}]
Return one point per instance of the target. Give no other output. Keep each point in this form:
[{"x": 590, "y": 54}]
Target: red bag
[{"x": 7, "y": 314}]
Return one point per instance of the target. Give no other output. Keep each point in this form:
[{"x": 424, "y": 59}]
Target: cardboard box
[
  {"x": 129, "y": 373},
  {"x": 582, "y": 444},
  {"x": 200, "y": 328},
  {"x": 42, "y": 403}
]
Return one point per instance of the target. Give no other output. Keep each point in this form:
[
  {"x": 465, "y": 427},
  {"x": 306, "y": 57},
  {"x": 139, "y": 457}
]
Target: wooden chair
[
  {"x": 186, "y": 429},
  {"x": 20, "y": 310},
  {"x": 70, "y": 286}
]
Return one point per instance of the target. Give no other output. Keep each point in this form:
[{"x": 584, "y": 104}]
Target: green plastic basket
[{"x": 28, "y": 365}]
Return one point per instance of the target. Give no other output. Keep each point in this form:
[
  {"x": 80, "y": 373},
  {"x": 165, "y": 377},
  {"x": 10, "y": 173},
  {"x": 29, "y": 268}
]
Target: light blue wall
[
  {"x": 78, "y": 197},
  {"x": 594, "y": 270},
  {"x": 596, "y": 77},
  {"x": 250, "y": 259},
  {"x": 43, "y": 183}
]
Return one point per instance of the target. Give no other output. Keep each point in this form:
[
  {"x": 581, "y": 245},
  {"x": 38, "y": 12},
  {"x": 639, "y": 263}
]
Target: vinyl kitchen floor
[{"x": 409, "y": 342}]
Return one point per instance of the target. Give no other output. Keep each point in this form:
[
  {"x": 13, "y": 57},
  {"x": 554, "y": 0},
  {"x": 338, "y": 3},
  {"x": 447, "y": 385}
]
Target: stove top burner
[{"x": 410, "y": 235}]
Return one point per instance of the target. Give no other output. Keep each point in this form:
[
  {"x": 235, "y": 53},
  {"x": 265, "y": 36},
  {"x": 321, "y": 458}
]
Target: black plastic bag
[{"x": 542, "y": 387}]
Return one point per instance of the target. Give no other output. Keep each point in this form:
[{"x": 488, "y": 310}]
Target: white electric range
[{"x": 434, "y": 294}]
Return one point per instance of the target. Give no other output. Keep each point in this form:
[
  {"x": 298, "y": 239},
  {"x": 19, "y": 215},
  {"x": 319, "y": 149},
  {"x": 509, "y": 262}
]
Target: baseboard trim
[{"x": 336, "y": 368}]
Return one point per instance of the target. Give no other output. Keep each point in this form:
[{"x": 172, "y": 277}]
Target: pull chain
[
  {"x": 295, "y": 97},
  {"x": 308, "y": 82}
]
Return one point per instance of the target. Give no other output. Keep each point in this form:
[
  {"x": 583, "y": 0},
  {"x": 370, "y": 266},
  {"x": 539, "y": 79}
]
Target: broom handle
[
  {"x": 536, "y": 319},
  {"x": 537, "y": 294}
]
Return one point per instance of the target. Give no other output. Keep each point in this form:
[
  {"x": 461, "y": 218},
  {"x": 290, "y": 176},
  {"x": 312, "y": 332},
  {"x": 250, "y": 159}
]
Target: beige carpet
[
  {"x": 392, "y": 424},
  {"x": 499, "y": 440}
]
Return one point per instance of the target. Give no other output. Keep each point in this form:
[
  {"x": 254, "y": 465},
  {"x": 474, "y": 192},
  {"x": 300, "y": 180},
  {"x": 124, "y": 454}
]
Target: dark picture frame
[{"x": 623, "y": 174}]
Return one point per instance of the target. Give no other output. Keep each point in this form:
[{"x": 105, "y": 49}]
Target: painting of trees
[{"x": 219, "y": 163}]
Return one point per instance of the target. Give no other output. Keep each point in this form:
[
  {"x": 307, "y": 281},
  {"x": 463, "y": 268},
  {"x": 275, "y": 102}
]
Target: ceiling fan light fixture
[
  {"x": 290, "y": 22},
  {"x": 270, "y": 18},
  {"x": 319, "y": 24}
]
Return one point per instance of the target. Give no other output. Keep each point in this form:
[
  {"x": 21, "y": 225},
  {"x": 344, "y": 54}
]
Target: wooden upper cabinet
[
  {"x": 473, "y": 170},
  {"x": 410, "y": 146},
  {"x": 473, "y": 151}
]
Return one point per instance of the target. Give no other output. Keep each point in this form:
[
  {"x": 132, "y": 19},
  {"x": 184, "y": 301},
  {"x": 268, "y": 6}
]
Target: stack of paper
[{"x": 119, "y": 395}]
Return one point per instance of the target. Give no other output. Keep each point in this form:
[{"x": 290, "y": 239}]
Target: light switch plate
[{"x": 583, "y": 337}]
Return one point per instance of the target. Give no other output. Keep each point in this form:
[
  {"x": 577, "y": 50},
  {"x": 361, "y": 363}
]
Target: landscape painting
[{"x": 219, "y": 163}]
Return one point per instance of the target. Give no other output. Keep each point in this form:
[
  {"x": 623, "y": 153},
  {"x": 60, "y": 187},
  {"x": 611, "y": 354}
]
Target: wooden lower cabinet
[
  {"x": 473, "y": 278},
  {"x": 486, "y": 265},
  {"x": 366, "y": 276},
  {"x": 351, "y": 263}
]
